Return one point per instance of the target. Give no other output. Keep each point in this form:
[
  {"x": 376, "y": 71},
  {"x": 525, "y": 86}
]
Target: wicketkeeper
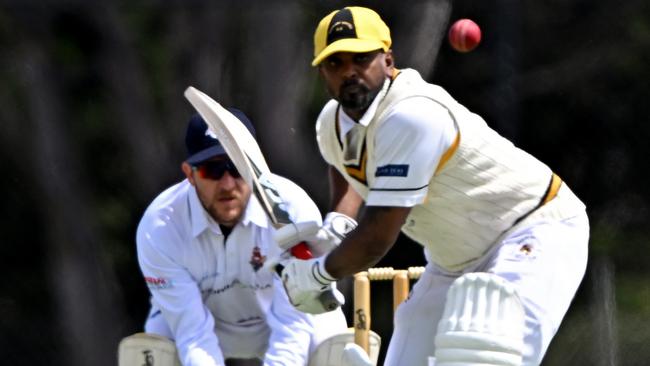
[
  {"x": 505, "y": 238},
  {"x": 202, "y": 245}
]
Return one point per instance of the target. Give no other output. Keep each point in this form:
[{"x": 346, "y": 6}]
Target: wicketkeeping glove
[{"x": 309, "y": 287}]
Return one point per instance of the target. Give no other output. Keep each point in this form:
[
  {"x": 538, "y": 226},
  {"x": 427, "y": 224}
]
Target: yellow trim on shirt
[
  {"x": 447, "y": 155},
  {"x": 553, "y": 188},
  {"x": 358, "y": 172}
]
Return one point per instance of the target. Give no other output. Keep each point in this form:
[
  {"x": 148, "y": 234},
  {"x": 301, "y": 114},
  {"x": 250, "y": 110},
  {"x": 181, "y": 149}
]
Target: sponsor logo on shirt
[
  {"x": 257, "y": 259},
  {"x": 235, "y": 284},
  {"x": 157, "y": 283},
  {"x": 392, "y": 170}
]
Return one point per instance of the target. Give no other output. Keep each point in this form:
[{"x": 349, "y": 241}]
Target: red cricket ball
[{"x": 464, "y": 35}]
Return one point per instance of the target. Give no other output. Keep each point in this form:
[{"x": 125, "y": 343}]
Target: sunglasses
[{"x": 216, "y": 169}]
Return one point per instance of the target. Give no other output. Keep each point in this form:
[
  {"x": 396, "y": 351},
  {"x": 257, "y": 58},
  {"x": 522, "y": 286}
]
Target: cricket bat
[{"x": 245, "y": 153}]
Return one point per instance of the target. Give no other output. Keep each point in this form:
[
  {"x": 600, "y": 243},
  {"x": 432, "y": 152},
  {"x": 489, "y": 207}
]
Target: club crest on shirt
[{"x": 257, "y": 259}]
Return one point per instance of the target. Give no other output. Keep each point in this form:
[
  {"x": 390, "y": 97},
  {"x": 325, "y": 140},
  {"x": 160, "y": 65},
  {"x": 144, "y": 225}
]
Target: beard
[{"x": 355, "y": 96}]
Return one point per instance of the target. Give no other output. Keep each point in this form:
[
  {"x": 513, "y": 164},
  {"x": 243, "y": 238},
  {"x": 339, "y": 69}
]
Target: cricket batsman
[{"x": 505, "y": 238}]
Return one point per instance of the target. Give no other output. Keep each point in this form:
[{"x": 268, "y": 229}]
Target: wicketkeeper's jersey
[{"x": 211, "y": 294}]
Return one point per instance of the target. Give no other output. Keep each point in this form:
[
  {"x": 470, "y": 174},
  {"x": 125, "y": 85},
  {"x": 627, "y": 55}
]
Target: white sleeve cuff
[
  {"x": 397, "y": 198},
  {"x": 320, "y": 273}
]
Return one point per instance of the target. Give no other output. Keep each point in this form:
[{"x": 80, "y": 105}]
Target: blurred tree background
[{"x": 92, "y": 121}]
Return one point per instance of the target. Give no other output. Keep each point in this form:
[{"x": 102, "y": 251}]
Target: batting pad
[
  {"x": 330, "y": 351},
  {"x": 146, "y": 349},
  {"x": 482, "y": 324}
]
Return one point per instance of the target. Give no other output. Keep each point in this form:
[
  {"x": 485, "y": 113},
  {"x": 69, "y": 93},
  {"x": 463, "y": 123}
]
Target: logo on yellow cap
[{"x": 340, "y": 26}]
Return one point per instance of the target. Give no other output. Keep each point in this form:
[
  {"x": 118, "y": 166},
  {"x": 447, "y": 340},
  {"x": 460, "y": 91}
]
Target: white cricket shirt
[
  {"x": 214, "y": 296},
  {"x": 418, "y": 147}
]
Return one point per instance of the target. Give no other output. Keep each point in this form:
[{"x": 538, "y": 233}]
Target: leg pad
[{"x": 482, "y": 324}]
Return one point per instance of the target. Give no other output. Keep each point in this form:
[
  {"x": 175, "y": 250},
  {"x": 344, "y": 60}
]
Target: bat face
[
  {"x": 235, "y": 138},
  {"x": 244, "y": 152}
]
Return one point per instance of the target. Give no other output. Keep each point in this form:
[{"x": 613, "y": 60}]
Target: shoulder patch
[
  {"x": 157, "y": 283},
  {"x": 392, "y": 170}
]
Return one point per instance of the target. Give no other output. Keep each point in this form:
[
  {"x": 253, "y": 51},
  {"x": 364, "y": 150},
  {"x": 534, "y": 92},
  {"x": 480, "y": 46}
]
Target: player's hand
[
  {"x": 309, "y": 287},
  {"x": 335, "y": 227},
  {"x": 321, "y": 239}
]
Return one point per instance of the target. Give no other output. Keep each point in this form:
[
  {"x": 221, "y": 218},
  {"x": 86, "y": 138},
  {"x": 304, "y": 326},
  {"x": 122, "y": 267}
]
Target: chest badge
[{"x": 257, "y": 259}]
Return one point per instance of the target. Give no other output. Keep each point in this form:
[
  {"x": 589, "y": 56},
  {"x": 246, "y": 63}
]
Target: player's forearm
[
  {"x": 343, "y": 197},
  {"x": 369, "y": 242},
  {"x": 348, "y": 206}
]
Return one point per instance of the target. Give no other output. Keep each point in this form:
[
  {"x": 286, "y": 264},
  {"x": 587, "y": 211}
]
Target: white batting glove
[
  {"x": 321, "y": 239},
  {"x": 335, "y": 227},
  {"x": 309, "y": 287}
]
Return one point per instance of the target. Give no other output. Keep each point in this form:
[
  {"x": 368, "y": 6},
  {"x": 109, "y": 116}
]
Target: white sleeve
[
  {"x": 294, "y": 333},
  {"x": 177, "y": 295},
  {"x": 408, "y": 147},
  {"x": 291, "y": 331}
]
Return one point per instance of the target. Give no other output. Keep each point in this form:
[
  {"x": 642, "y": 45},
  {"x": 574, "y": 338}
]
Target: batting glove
[
  {"x": 309, "y": 287},
  {"x": 321, "y": 239}
]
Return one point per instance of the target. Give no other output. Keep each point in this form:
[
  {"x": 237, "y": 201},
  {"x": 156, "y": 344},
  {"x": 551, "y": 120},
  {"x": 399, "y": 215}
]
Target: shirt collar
[
  {"x": 201, "y": 220},
  {"x": 347, "y": 122}
]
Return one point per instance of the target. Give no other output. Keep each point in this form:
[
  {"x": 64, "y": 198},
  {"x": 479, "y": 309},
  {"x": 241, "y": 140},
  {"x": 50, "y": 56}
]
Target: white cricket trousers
[{"x": 545, "y": 261}]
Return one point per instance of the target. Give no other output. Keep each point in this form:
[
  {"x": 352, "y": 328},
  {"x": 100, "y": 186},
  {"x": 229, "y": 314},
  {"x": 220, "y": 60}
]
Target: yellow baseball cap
[{"x": 351, "y": 29}]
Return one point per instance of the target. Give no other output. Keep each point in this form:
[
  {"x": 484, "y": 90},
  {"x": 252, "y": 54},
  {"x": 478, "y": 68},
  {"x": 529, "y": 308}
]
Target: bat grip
[{"x": 301, "y": 251}]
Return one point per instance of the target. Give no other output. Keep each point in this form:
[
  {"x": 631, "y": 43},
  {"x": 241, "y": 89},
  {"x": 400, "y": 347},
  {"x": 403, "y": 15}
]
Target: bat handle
[{"x": 301, "y": 251}]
